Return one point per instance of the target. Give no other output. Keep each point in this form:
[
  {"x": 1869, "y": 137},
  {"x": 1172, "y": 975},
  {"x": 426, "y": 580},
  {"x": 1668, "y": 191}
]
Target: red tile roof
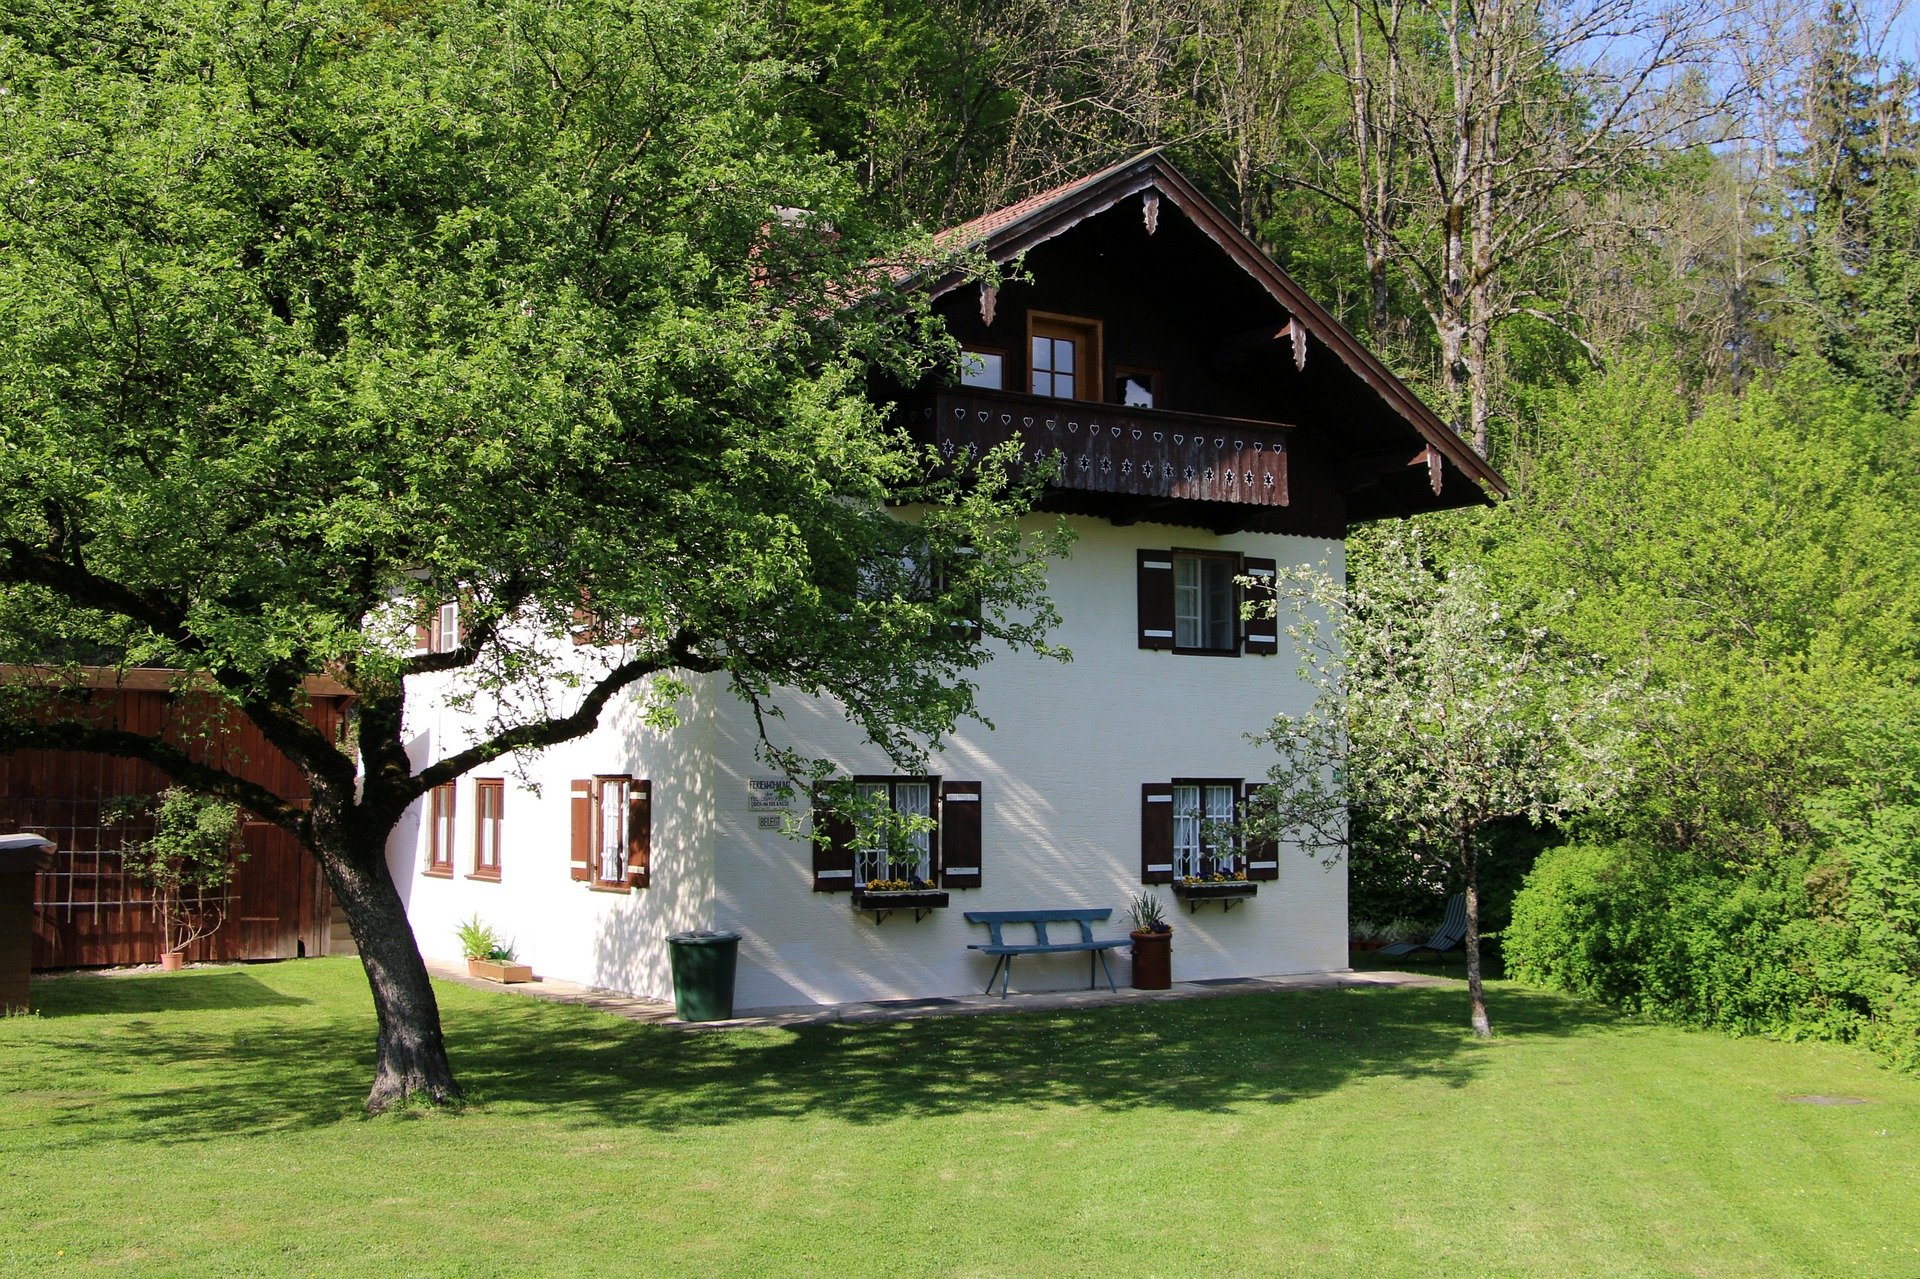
[{"x": 981, "y": 228}]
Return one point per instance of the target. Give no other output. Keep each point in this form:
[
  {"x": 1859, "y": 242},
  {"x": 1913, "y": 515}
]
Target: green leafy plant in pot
[
  {"x": 1152, "y": 943},
  {"x": 188, "y": 863},
  {"x": 488, "y": 956}
]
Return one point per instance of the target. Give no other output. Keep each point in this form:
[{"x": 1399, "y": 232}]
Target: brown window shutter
[
  {"x": 1261, "y": 633},
  {"x": 833, "y": 855},
  {"x": 1156, "y": 833},
  {"x": 960, "y": 835},
  {"x": 423, "y": 636},
  {"x": 1155, "y": 573},
  {"x": 640, "y": 832},
  {"x": 1263, "y": 856},
  {"x": 582, "y": 829}
]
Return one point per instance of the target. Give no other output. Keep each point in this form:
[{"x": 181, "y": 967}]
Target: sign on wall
[{"x": 769, "y": 794}]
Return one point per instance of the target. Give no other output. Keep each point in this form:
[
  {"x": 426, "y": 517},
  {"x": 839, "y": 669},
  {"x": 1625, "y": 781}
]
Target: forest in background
[{"x": 1661, "y": 262}]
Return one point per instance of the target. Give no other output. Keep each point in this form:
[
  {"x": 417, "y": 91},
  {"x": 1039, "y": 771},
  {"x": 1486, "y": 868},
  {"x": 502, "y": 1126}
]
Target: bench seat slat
[
  {"x": 1091, "y": 914},
  {"x": 987, "y": 948}
]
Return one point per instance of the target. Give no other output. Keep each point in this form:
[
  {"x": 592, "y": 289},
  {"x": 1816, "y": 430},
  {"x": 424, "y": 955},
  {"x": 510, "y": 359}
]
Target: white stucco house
[{"x": 1216, "y": 423}]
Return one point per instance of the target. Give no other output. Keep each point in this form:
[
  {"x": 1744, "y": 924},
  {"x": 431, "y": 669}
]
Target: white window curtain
[
  {"x": 613, "y": 831},
  {"x": 1186, "y": 831}
]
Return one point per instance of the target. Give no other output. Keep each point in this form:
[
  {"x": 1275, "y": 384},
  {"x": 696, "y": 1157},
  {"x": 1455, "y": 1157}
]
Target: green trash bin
[{"x": 703, "y": 964}]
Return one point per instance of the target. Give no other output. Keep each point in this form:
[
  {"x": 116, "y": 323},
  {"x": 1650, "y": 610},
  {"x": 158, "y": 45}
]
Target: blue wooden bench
[{"x": 1004, "y": 951}]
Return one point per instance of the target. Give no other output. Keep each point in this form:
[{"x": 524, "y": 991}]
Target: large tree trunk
[
  {"x": 410, "y": 1063},
  {"x": 1476, "y": 989}
]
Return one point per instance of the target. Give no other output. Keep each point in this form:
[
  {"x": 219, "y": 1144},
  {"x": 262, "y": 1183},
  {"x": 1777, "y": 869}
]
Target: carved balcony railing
[{"x": 1106, "y": 448}]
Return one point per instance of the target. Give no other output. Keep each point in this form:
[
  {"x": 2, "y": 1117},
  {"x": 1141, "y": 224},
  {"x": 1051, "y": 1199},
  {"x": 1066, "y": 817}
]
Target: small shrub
[
  {"x": 479, "y": 941},
  {"x": 188, "y": 862}
]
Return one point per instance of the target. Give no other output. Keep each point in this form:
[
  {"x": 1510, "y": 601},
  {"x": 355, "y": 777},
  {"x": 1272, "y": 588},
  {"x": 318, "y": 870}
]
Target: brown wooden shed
[{"x": 86, "y": 912}]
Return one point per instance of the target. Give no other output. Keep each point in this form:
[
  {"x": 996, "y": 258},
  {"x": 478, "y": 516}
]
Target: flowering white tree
[{"x": 1435, "y": 712}]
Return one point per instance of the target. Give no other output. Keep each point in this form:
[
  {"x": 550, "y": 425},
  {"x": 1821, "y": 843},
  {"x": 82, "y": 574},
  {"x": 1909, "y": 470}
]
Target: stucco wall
[
  {"x": 561, "y": 927},
  {"x": 1061, "y": 773}
]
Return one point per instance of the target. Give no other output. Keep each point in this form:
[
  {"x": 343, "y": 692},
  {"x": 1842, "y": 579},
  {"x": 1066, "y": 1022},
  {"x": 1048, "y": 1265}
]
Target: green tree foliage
[
  {"x": 314, "y": 316},
  {"x": 1759, "y": 554},
  {"x": 1435, "y": 715},
  {"x": 1857, "y": 189},
  {"x": 950, "y": 107}
]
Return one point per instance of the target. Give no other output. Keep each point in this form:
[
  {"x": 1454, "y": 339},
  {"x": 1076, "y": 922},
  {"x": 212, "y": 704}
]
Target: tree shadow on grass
[
  {"x": 93, "y": 994},
  {"x": 572, "y": 1065}
]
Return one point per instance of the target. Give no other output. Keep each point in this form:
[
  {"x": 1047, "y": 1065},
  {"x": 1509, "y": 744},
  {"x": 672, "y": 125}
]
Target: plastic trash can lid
[{"x": 703, "y": 937}]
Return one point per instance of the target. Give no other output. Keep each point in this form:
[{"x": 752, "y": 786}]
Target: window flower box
[
  {"x": 1228, "y": 892},
  {"x": 884, "y": 901}
]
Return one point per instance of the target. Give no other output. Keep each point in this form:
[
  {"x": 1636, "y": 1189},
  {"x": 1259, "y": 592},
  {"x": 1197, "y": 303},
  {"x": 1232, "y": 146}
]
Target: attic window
[
  {"x": 1136, "y": 388},
  {"x": 1064, "y": 356},
  {"x": 983, "y": 367}
]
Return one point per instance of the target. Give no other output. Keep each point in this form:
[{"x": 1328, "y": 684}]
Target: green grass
[{"x": 206, "y": 1123}]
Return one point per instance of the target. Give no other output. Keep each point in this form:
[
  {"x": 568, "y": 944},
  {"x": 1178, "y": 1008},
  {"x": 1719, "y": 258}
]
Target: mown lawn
[{"x": 206, "y": 1123}]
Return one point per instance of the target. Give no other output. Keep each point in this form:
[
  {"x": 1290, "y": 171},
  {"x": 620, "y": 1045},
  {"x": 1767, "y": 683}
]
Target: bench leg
[
  {"x": 997, "y": 962},
  {"x": 1108, "y": 969},
  {"x": 1008, "y": 978}
]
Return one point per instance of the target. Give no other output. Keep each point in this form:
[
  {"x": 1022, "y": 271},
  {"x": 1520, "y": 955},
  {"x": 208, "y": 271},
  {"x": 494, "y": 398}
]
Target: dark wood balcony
[{"x": 1107, "y": 448}]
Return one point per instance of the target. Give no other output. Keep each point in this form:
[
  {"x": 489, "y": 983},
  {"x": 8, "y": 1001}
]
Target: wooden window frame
[
  {"x": 431, "y": 635},
  {"x": 1238, "y": 785},
  {"x": 597, "y": 829},
  {"x": 1090, "y": 377},
  {"x": 893, "y": 781},
  {"x": 446, "y": 638},
  {"x": 1006, "y": 365},
  {"x": 1236, "y": 560},
  {"x": 442, "y": 808},
  {"x": 482, "y": 787},
  {"x": 1159, "y": 377}
]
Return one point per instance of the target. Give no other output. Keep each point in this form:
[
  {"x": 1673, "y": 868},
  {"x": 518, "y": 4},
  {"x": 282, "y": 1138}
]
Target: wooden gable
[{"x": 1268, "y": 414}]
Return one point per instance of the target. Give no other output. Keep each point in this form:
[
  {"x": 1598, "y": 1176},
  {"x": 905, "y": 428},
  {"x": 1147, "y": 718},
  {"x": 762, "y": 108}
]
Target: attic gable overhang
[{"x": 1007, "y": 233}]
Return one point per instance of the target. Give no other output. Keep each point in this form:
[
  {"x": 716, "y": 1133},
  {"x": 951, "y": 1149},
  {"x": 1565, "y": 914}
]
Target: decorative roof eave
[{"x": 1007, "y": 233}]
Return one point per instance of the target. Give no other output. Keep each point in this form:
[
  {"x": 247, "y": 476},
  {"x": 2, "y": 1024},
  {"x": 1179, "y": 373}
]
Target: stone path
[{"x": 647, "y": 1010}]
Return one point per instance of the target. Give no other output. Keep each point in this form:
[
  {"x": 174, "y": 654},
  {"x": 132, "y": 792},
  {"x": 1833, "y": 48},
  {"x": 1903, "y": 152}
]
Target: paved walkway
[{"x": 647, "y": 1010}]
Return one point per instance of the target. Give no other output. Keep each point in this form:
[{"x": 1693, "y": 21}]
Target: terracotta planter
[
  {"x": 172, "y": 961},
  {"x": 1152, "y": 960},
  {"x": 489, "y": 970}
]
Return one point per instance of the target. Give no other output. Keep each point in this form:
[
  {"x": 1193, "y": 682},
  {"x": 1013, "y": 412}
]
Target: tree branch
[
  {"x": 563, "y": 728},
  {"x": 71, "y": 580}
]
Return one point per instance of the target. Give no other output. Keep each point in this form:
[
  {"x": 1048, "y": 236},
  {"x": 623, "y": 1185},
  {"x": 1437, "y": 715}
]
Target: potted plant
[
  {"x": 1152, "y": 943},
  {"x": 1221, "y": 874},
  {"x": 894, "y": 881},
  {"x": 488, "y": 957},
  {"x": 187, "y": 864}
]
